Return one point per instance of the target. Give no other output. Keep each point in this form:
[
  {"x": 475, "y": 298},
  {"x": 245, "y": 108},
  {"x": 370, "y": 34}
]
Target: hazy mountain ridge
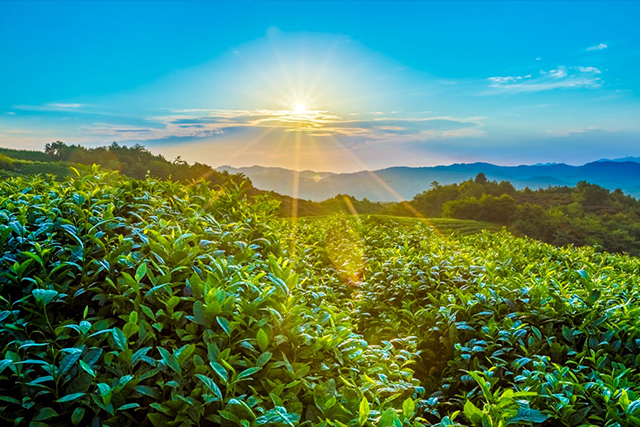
[
  {"x": 623, "y": 159},
  {"x": 404, "y": 182}
]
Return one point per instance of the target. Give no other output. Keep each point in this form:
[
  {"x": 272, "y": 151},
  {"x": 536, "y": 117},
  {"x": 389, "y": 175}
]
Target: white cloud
[
  {"x": 600, "y": 46},
  {"x": 53, "y": 106},
  {"x": 508, "y": 79},
  {"x": 569, "y": 132},
  {"x": 559, "y": 73},
  {"x": 209, "y": 123},
  {"x": 58, "y": 105},
  {"x": 561, "y": 77},
  {"x": 589, "y": 70}
]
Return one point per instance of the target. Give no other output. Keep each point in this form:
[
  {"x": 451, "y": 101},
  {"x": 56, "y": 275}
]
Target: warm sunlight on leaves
[{"x": 283, "y": 214}]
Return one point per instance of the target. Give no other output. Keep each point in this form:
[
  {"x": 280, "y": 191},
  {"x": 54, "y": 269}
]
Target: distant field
[
  {"x": 439, "y": 225},
  {"x": 57, "y": 168},
  {"x": 28, "y": 167},
  {"x": 31, "y": 155}
]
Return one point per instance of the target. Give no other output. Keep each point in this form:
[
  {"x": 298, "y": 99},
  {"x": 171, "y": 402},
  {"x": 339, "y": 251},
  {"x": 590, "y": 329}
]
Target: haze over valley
[{"x": 402, "y": 183}]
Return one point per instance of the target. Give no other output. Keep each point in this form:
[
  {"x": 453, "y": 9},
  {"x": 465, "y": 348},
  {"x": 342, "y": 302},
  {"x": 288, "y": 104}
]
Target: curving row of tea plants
[{"x": 153, "y": 303}]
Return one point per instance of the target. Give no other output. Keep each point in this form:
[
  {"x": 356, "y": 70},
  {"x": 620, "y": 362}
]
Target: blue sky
[{"x": 326, "y": 85}]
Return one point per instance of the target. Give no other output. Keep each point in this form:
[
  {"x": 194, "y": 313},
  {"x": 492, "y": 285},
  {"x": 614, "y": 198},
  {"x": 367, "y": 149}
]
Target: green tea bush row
[
  {"x": 508, "y": 330},
  {"x": 153, "y": 303},
  {"x": 130, "y": 302}
]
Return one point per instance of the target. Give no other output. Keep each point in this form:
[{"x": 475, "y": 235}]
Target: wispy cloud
[
  {"x": 560, "y": 73},
  {"x": 208, "y": 123},
  {"x": 569, "y": 132},
  {"x": 560, "y": 78},
  {"x": 589, "y": 70},
  {"x": 59, "y": 105},
  {"x": 53, "y": 106},
  {"x": 17, "y": 131},
  {"x": 509, "y": 79},
  {"x": 600, "y": 46}
]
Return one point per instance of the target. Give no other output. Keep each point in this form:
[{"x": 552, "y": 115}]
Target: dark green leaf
[
  {"x": 528, "y": 415},
  {"x": 68, "y": 361},
  {"x": 77, "y": 416},
  {"x": 224, "y": 324},
  {"x": 211, "y": 385},
  {"x": 119, "y": 338},
  {"x": 70, "y": 397},
  {"x": 169, "y": 360},
  {"x": 45, "y": 414}
]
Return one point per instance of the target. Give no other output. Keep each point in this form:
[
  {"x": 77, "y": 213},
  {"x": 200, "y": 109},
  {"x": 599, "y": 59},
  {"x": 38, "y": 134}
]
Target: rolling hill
[{"x": 392, "y": 184}]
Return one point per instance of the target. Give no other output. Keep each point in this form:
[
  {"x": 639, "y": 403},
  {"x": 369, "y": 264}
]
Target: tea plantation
[{"x": 153, "y": 303}]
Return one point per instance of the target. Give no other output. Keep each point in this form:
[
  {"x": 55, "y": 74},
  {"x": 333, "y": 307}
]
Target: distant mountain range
[{"x": 392, "y": 184}]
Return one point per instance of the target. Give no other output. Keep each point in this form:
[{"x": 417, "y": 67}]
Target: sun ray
[
  {"x": 258, "y": 70},
  {"x": 350, "y": 206},
  {"x": 387, "y": 187},
  {"x": 284, "y": 70},
  {"x": 321, "y": 69}
]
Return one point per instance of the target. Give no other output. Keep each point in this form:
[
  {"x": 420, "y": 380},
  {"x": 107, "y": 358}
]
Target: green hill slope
[
  {"x": 443, "y": 226},
  {"x": 155, "y": 303}
]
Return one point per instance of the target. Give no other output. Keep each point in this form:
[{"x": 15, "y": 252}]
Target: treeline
[
  {"x": 137, "y": 162},
  {"x": 586, "y": 214}
]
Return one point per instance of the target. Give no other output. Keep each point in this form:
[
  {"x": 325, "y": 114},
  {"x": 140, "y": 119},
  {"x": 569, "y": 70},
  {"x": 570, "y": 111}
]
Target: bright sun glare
[{"x": 300, "y": 109}]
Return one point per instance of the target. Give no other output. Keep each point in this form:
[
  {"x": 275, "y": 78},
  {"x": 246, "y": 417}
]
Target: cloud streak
[
  {"x": 600, "y": 46},
  {"x": 209, "y": 123},
  {"x": 52, "y": 106},
  {"x": 560, "y": 78},
  {"x": 59, "y": 105}
]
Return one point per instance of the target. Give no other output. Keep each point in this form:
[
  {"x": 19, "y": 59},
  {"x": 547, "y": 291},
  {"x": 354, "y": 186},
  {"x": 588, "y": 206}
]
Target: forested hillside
[
  {"x": 584, "y": 215},
  {"x": 155, "y": 303},
  {"x": 407, "y": 181},
  {"x": 135, "y": 161}
]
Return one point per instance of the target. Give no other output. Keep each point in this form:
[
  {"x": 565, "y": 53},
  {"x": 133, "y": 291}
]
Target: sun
[{"x": 300, "y": 109}]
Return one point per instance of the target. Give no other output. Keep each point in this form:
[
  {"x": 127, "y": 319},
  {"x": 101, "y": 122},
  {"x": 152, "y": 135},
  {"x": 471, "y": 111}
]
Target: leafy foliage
[
  {"x": 159, "y": 303},
  {"x": 136, "y": 162},
  {"x": 584, "y": 215},
  {"x": 154, "y": 303},
  {"x": 507, "y": 330}
]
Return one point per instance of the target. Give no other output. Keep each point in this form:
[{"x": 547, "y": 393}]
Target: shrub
[{"x": 6, "y": 163}]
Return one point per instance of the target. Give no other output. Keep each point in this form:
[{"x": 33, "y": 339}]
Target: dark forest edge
[{"x": 586, "y": 214}]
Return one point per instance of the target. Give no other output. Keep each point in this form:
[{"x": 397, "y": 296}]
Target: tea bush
[
  {"x": 145, "y": 302},
  {"x": 508, "y": 331},
  {"x": 153, "y": 303}
]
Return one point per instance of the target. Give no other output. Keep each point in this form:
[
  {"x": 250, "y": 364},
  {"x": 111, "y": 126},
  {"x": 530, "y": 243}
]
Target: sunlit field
[
  {"x": 319, "y": 214},
  {"x": 157, "y": 303}
]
